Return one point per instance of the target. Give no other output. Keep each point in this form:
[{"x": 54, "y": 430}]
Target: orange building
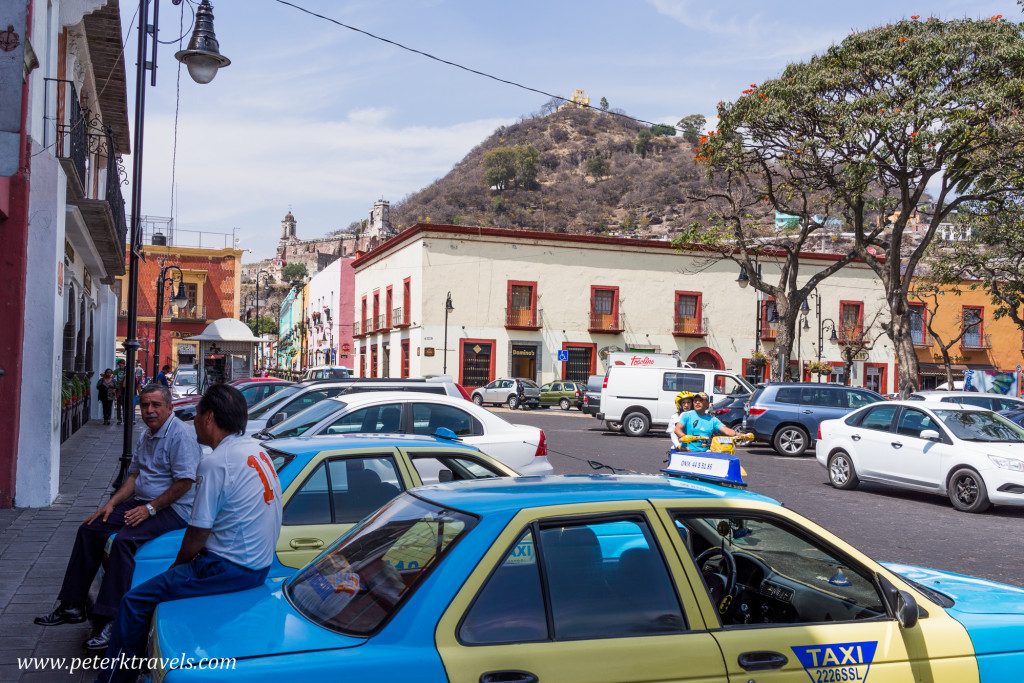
[
  {"x": 991, "y": 345},
  {"x": 212, "y": 280}
]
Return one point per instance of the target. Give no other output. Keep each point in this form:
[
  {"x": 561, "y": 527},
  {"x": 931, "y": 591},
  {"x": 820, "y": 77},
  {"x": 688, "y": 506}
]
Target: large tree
[{"x": 879, "y": 118}]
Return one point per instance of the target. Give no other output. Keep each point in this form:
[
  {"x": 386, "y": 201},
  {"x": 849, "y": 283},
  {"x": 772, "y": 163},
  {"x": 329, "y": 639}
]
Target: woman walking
[{"x": 107, "y": 389}]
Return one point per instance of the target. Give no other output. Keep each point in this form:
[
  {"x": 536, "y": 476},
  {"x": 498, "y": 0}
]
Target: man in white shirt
[{"x": 230, "y": 540}]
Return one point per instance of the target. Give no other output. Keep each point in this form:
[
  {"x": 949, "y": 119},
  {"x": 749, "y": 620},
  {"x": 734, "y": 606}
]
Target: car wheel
[
  {"x": 967, "y": 491},
  {"x": 636, "y": 424},
  {"x": 841, "y": 472},
  {"x": 564, "y": 404},
  {"x": 790, "y": 440},
  {"x": 613, "y": 426},
  {"x": 478, "y": 399},
  {"x": 512, "y": 402}
]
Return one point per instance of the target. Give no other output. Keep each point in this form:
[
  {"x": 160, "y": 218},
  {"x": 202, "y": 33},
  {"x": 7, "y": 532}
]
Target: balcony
[
  {"x": 368, "y": 326},
  {"x": 71, "y": 143},
  {"x": 767, "y": 333},
  {"x": 104, "y": 215},
  {"x": 399, "y": 318},
  {"x": 606, "y": 323},
  {"x": 189, "y": 313},
  {"x": 357, "y": 330},
  {"x": 976, "y": 342},
  {"x": 690, "y": 327},
  {"x": 850, "y": 334},
  {"x": 381, "y": 323},
  {"x": 920, "y": 339},
  {"x": 522, "y": 319}
]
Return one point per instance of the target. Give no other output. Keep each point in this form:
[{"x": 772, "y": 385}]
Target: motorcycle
[{"x": 718, "y": 465}]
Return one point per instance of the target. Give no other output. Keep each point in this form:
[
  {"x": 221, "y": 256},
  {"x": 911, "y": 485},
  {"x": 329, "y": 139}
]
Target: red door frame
[
  {"x": 580, "y": 345},
  {"x": 494, "y": 352},
  {"x": 883, "y": 383}
]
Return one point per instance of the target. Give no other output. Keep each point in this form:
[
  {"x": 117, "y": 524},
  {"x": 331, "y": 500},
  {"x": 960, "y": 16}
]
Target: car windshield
[
  {"x": 747, "y": 385},
  {"x": 270, "y": 402},
  {"x": 980, "y": 425},
  {"x": 185, "y": 379},
  {"x": 304, "y": 419},
  {"x": 358, "y": 584}
]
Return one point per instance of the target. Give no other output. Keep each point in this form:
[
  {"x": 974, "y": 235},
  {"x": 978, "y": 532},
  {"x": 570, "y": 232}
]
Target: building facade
[
  {"x": 289, "y": 336},
  {"x": 63, "y": 129},
  {"x": 548, "y": 305},
  {"x": 328, "y": 315}
]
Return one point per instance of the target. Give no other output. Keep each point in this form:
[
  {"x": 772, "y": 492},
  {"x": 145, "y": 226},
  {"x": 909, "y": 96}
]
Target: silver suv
[{"x": 504, "y": 391}]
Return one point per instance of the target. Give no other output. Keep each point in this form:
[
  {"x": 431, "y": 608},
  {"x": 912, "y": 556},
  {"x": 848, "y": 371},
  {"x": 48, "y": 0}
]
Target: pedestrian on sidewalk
[
  {"x": 230, "y": 541},
  {"x": 156, "y": 497},
  {"x": 162, "y": 378},
  {"x": 119, "y": 375},
  {"x": 106, "y": 387}
]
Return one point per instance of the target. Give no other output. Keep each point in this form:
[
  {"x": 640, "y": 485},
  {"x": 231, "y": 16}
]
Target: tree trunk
[
  {"x": 949, "y": 367},
  {"x": 906, "y": 356},
  {"x": 783, "y": 348}
]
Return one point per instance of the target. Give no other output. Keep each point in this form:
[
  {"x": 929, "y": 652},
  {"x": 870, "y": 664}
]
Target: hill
[{"x": 647, "y": 195}]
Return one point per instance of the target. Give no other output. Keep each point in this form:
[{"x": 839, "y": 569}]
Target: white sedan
[
  {"x": 974, "y": 456},
  {"x": 521, "y": 447}
]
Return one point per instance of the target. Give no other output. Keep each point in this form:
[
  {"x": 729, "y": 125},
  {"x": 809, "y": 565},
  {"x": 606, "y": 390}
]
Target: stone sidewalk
[{"x": 35, "y": 544}]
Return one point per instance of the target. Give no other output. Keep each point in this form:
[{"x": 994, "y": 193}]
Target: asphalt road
[{"x": 887, "y": 523}]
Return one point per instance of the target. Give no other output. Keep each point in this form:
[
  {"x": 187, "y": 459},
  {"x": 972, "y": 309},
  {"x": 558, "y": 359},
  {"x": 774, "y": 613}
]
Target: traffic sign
[{"x": 563, "y": 355}]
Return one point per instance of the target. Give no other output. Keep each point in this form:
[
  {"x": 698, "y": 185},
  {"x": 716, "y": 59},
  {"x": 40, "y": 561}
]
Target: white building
[
  {"x": 520, "y": 297},
  {"x": 328, "y": 315}
]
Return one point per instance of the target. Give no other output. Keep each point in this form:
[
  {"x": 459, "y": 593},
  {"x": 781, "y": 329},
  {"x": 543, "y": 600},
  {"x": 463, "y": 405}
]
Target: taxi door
[
  {"x": 815, "y": 610},
  {"x": 578, "y": 594},
  {"x": 331, "y": 494}
]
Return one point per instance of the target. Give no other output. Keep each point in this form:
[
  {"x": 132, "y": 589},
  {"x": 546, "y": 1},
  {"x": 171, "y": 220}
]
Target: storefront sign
[
  {"x": 428, "y": 351},
  {"x": 524, "y": 351}
]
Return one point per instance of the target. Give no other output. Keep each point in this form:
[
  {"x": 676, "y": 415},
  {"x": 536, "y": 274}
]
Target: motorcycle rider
[
  {"x": 697, "y": 423},
  {"x": 684, "y": 404}
]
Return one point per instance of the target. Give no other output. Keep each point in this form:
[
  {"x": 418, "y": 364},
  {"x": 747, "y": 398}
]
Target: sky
[{"x": 321, "y": 120}]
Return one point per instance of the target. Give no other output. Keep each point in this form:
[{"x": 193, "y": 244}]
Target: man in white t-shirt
[{"x": 230, "y": 540}]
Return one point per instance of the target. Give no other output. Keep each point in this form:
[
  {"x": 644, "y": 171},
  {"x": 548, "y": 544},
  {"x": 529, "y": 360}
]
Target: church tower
[
  {"x": 379, "y": 228},
  {"x": 288, "y": 227}
]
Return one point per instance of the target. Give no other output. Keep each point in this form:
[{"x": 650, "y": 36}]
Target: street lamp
[
  {"x": 178, "y": 301},
  {"x": 448, "y": 308},
  {"x": 202, "y": 49},
  {"x": 744, "y": 281},
  {"x": 266, "y": 277}
]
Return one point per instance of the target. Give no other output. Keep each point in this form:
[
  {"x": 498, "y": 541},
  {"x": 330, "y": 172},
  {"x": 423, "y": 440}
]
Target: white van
[{"x": 637, "y": 397}]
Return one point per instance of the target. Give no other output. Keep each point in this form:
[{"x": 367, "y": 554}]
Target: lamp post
[
  {"x": 178, "y": 301},
  {"x": 202, "y": 58},
  {"x": 448, "y": 308},
  {"x": 771, "y": 318},
  {"x": 266, "y": 277}
]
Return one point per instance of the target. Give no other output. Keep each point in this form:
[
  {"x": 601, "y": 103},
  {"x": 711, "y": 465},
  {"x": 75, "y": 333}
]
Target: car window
[
  {"x": 254, "y": 394},
  {"x": 459, "y": 467},
  {"x": 788, "y": 395},
  {"x": 913, "y": 422},
  {"x": 1008, "y": 404},
  {"x": 302, "y": 401},
  {"x": 980, "y": 401},
  {"x": 311, "y": 503},
  {"x": 683, "y": 381},
  {"x": 800, "y": 580},
  {"x": 604, "y": 579},
  {"x": 548, "y": 387},
  {"x": 827, "y": 397},
  {"x": 859, "y": 399},
  {"x": 727, "y": 384},
  {"x": 301, "y": 422},
  {"x": 879, "y": 417},
  {"x": 975, "y": 425},
  {"x": 427, "y": 418},
  {"x": 271, "y": 402},
  {"x": 382, "y": 419},
  {"x": 361, "y": 485}
]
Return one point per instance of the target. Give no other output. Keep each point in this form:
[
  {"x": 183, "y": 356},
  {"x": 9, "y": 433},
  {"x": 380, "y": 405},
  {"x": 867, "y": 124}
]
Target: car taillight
[
  {"x": 719, "y": 411},
  {"x": 579, "y": 393},
  {"x": 604, "y": 385},
  {"x": 819, "y": 432},
  {"x": 756, "y": 411},
  {"x": 542, "y": 446},
  {"x": 463, "y": 392}
]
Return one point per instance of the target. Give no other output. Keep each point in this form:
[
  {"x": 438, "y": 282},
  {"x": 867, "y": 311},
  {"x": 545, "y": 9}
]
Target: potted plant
[
  {"x": 819, "y": 368},
  {"x": 758, "y": 359}
]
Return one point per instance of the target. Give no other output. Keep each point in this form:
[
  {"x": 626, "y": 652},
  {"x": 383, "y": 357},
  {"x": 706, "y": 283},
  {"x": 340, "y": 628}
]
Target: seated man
[
  {"x": 230, "y": 540},
  {"x": 156, "y": 497},
  {"x": 697, "y": 423}
]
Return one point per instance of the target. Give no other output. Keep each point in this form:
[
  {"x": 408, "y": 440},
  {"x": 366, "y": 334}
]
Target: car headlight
[{"x": 1011, "y": 464}]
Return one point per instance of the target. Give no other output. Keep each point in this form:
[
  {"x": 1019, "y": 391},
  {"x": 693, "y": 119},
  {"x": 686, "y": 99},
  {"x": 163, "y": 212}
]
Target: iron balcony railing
[
  {"x": 605, "y": 322},
  {"x": 398, "y": 318},
  {"x": 976, "y": 341},
  {"x": 368, "y": 326},
  {"x": 381, "y": 322},
  {"x": 522, "y": 318},
  {"x": 850, "y": 334},
  {"x": 920, "y": 338},
  {"x": 71, "y": 124},
  {"x": 114, "y": 196},
  {"x": 696, "y": 327}
]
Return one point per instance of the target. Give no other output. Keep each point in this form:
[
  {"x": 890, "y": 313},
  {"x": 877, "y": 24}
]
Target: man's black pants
[{"x": 87, "y": 555}]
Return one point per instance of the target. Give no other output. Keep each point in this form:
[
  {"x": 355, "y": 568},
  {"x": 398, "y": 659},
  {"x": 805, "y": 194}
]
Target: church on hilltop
[{"x": 320, "y": 252}]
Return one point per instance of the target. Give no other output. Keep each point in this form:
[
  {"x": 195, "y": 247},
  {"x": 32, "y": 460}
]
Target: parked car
[
  {"x": 994, "y": 402},
  {"x": 1015, "y": 416},
  {"x": 184, "y": 383},
  {"x": 973, "y": 456},
  {"x": 596, "y": 578},
  {"x": 314, "y": 391},
  {"x": 592, "y": 396},
  {"x": 521, "y": 447},
  {"x": 563, "y": 393},
  {"x": 327, "y": 372},
  {"x": 329, "y": 484},
  {"x": 731, "y": 410},
  {"x": 787, "y": 414},
  {"x": 637, "y": 397},
  {"x": 504, "y": 391},
  {"x": 254, "y": 389}
]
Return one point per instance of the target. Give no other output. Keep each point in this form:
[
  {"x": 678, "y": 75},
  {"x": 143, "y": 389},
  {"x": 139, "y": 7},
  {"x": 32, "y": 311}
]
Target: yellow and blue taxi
[
  {"x": 595, "y": 578},
  {"x": 329, "y": 483}
]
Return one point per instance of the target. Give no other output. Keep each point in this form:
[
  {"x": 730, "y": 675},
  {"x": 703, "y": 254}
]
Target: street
[{"x": 887, "y": 523}]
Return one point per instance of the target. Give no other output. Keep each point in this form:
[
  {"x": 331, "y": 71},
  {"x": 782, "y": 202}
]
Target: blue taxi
[{"x": 596, "y": 578}]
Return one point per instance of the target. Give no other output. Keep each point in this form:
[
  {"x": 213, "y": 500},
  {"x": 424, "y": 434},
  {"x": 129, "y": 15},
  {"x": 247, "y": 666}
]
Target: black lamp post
[
  {"x": 178, "y": 301},
  {"x": 266, "y": 277},
  {"x": 744, "y": 281},
  {"x": 202, "y": 58},
  {"x": 448, "y": 308}
]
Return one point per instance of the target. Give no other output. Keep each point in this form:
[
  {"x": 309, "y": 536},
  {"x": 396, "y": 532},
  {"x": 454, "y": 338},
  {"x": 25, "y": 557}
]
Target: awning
[{"x": 957, "y": 368}]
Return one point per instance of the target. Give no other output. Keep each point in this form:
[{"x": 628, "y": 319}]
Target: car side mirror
[
  {"x": 930, "y": 435},
  {"x": 445, "y": 475},
  {"x": 906, "y": 609},
  {"x": 276, "y": 418}
]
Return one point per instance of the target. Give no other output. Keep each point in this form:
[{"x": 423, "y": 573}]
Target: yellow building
[{"x": 989, "y": 345}]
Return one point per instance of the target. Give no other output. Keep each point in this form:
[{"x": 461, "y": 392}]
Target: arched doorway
[{"x": 706, "y": 358}]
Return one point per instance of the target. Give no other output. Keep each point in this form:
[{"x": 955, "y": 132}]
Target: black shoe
[
  {"x": 65, "y": 613},
  {"x": 100, "y": 637}
]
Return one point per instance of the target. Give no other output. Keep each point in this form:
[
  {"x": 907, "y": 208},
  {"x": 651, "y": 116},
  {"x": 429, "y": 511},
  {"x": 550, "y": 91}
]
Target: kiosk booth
[{"x": 227, "y": 351}]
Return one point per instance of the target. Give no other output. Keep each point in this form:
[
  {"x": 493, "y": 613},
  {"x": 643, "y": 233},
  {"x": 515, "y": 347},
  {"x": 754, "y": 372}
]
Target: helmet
[{"x": 681, "y": 396}]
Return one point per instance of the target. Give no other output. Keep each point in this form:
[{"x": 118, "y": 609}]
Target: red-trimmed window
[
  {"x": 768, "y": 312},
  {"x": 919, "y": 325},
  {"x": 522, "y": 305},
  {"x": 972, "y": 318},
  {"x": 604, "y": 309},
  {"x": 582, "y": 361},
  {"x": 405, "y": 358},
  {"x": 688, "y": 321},
  {"x": 362, "y": 361},
  {"x": 476, "y": 362},
  {"x": 364, "y": 323},
  {"x": 378, "y": 323},
  {"x": 373, "y": 360},
  {"x": 851, "y": 322},
  {"x": 403, "y": 319},
  {"x": 388, "y": 303}
]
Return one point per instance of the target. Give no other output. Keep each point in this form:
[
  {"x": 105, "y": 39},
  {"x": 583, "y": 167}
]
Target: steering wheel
[{"x": 724, "y": 584}]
